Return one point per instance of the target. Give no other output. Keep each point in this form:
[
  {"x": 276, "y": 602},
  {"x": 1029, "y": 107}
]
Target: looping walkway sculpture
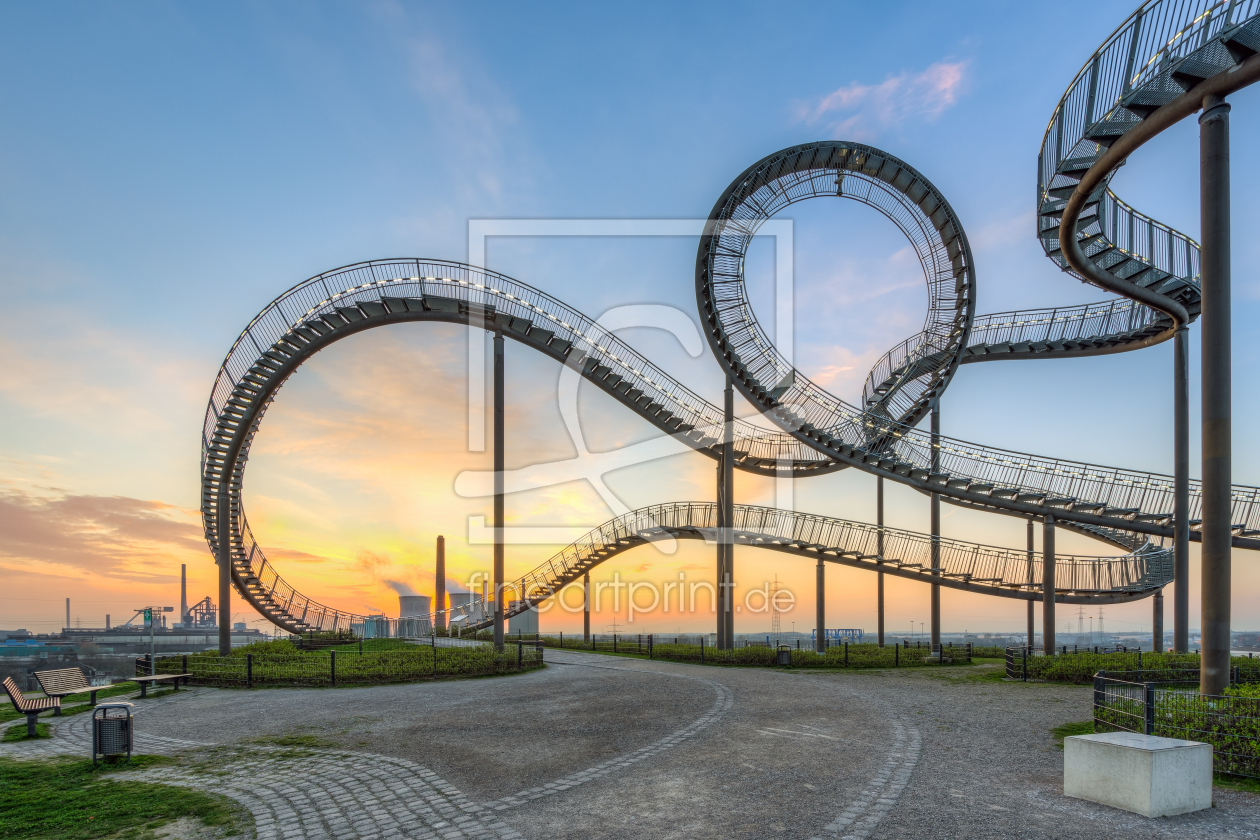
[{"x": 1153, "y": 268}]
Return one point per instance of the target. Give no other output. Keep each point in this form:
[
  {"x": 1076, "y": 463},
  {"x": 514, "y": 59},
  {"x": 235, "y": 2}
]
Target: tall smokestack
[
  {"x": 439, "y": 602},
  {"x": 106, "y": 621},
  {"x": 183, "y": 594},
  {"x": 67, "y": 613}
]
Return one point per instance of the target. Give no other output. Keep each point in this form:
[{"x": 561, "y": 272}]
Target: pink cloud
[{"x": 859, "y": 111}]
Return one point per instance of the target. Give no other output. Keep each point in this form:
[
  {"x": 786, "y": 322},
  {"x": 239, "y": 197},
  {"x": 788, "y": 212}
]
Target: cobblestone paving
[{"x": 313, "y": 793}]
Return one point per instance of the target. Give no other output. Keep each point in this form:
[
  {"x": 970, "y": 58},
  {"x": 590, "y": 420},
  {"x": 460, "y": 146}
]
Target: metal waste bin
[
  {"x": 784, "y": 655},
  {"x": 112, "y": 734}
]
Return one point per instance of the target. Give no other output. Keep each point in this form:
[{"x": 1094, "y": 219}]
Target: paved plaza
[{"x": 607, "y": 747}]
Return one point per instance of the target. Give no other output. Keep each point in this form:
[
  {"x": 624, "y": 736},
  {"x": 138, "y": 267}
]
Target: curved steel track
[{"x": 1153, "y": 268}]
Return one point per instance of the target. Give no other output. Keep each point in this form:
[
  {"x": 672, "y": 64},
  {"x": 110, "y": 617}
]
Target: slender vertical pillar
[
  {"x": 728, "y": 481},
  {"x": 498, "y": 490},
  {"x": 586, "y": 607},
  {"x": 225, "y": 581},
  {"x": 1157, "y": 622},
  {"x": 67, "y": 613},
  {"x": 1216, "y": 387},
  {"x": 439, "y": 577},
  {"x": 936, "y": 527},
  {"x": 183, "y": 594},
  {"x": 1047, "y": 585},
  {"x": 719, "y": 532},
  {"x": 820, "y": 609},
  {"x": 1181, "y": 491},
  {"x": 879, "y": 577},
  {"x": 1032, "y": 578}
]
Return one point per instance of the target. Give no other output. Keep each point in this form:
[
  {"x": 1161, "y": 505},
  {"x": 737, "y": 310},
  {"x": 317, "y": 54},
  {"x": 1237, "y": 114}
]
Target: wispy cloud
[
  {"x": 109, "y": 536},
  {"x": 859, "y": 111}
]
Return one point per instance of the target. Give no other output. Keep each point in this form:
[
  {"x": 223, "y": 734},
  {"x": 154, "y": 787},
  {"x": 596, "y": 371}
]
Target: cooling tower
[{"x": 413, "y": 606}]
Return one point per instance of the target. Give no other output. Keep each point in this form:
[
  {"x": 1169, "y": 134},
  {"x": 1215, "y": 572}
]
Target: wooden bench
[
  {"x": 144, "y": 681},
  {"x": 66, "y": 682},
  {"x": 31, "y": 707}
]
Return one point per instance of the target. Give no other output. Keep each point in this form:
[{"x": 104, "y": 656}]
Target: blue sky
[{"x": 166, "y": 169}]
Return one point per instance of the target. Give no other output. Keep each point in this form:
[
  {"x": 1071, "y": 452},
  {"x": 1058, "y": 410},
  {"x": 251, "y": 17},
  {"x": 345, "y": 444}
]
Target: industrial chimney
[
  {"x": 439, "y": 601},
  {"x": 67, "y": 613},
  {"x": 183, "y": 594}
]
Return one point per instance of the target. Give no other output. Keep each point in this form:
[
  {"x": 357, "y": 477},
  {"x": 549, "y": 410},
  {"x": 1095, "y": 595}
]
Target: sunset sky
[{"x": 167, "y": 169}]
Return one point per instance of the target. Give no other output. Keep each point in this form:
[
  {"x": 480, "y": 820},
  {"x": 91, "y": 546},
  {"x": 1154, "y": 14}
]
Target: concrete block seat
[{"x": 1145, "y": 774}]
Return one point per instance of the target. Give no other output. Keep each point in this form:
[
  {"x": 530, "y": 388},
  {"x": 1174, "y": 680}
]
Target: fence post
[
  {"x": 360, "y": 646},
  {"x": 614, "y": 642},
  {"x": 186, "y": 679},
  {"x": 1026, "y": 664},
  {"x": 435, "y": 668},
  {"x": 846, "y": 654},
  {"x": 332, "y": 666},
  {"x": 702, "y": 650},
  {"x": 650, "y": 649},
  {"x": 896, "y": 654},
  {"x": 520, "y": 653},
  {"x": 1150, "y": 708},
  {"x": 1100, "y": 694},
  {"x": 249, "y": 670}
]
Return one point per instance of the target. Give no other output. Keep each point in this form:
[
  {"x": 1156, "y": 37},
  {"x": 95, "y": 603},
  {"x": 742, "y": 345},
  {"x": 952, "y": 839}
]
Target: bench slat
[{"x": 27, "y": 705}]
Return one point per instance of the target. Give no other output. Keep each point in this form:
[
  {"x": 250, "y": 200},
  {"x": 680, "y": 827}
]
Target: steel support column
[
  {"x": 936, "y": 528},
  {"x": 225, "y": 589},
  {"x": 820, "y": 608},
  {"x": 1047, "y": 586},
  {"x": 498, "y": 490},
  {"x": 1157, "y": 622},
  {"x": 728, "y": 513},
  {"x": 439, "y": 591},
  {"x": 1216, "y": 387},
  {"x": 1032, "y": 577},
  {"x": 586, "y": 607},
  {"x": 879, "y": 577},
  {"x": 1181, "y": 491}
]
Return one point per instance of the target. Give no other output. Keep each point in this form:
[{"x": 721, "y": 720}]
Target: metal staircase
[{"x": 1162, "y": 48}]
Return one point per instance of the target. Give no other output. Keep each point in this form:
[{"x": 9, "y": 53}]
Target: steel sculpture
[{"x": 1153, "y": 267}]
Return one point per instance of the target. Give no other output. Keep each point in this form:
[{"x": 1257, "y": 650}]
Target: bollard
[{"x": 249, "y": 670}]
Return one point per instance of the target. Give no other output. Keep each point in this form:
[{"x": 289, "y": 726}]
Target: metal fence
[
  {"x": 798, "y": 653},
  {"x": 349, "y": 665},
  {"x": 1168, "y": 704}
]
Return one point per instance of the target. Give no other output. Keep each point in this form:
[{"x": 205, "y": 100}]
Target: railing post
[
  {"x": 1150, "y": 709},
  {"x": 1026, "y": 652},
  {"x": 249, "y": 670},
  {"x": 1100, "y": 694}
]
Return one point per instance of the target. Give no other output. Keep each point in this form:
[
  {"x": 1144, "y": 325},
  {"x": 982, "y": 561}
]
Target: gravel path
[{"x": 606, "y": 747}]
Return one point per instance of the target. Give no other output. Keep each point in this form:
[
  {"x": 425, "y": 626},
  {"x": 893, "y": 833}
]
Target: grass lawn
[
  {"x": 69, "y": 799},
  {"x": 18, "y": 733},
  {"x": 1081, "y": 727}
]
